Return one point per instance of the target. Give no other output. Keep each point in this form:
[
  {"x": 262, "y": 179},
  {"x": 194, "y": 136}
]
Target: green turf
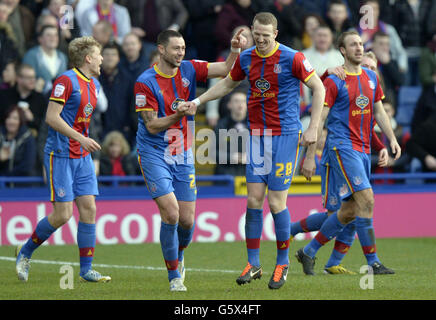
[{"x": 213, "y": 267}]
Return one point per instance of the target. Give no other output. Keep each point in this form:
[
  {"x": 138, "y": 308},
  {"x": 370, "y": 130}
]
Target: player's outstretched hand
[
  {"x": 309, "y": 137},
  {"x": 192, "y": 109},
  {"x": 383, "y": 158},
  {"x": 238, "y": 40},
  {"x": 89, "y": 144},
  {"x": 337, "y": 71},
  {"x": 396, "y": 149},
  {"x": 309, "y": 168}
]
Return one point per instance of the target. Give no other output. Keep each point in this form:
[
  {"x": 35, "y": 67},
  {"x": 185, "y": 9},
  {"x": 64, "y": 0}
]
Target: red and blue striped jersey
[
  {"x": 156, "y": 91},
  {"x": 351, "y": 101},
  {"x": 78, "y": 95},
  {"x": 273, "y": 99}
]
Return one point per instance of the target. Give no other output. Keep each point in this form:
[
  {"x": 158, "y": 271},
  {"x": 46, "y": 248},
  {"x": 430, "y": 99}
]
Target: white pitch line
[{"x": 115, "y": 266}]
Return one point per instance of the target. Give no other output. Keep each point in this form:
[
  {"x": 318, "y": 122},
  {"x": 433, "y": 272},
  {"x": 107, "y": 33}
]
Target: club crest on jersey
[
  {"x": 61, "y": 192},
  {"x": 185, "y": 82},
  {"x": 277, "y": 68},
  {"x": 88, "y": 110},
  {"x": 262, "y": 84},
  {"x": 175, "y": 103},
  {"x": 362, "y": 101},
  {"x": 371, "y": 84}
]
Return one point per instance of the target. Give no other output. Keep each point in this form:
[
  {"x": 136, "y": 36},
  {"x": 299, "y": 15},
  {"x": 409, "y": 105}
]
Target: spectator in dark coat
[
  {"x": 23, "y": 94},
  {"x": 422, "y": 144},
  {"x": 288, "y": 15},
  {"x": 202, "y": 17},
  {"x": 232, "y": 161},
  {"x": 411, "y": 21},
  {"x": 426, "y": 105},
  {"x": 234, "y": 13},
  {"x": 118, "y": 88},
  {"x": 17, "y": 145}
]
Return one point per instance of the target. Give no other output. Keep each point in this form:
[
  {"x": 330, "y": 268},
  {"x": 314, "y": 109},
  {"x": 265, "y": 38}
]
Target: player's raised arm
[
  {"x": 221, "y": 69},
  {"x": 385, "y": 124},
  {"x": 54, "y": 120}
]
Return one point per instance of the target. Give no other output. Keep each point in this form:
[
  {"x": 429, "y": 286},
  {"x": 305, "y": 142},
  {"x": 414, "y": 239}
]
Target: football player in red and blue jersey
[
  {"x": 164, "y": 138},
  {"x": 351, "y": 108},
  {"x": 274, "y": 72},
  {"x": 68, "y": 163}
]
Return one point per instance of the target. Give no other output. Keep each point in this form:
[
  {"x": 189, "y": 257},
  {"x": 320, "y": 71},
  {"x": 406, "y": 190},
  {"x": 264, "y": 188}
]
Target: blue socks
[
  {"x": 343, "y": 242},
  {"x": 253, "y": 233},
  {"x": 312, "y": 223},
  {"x": 86, "y": 243},
  {"x": 185, "y": 237},
  {"x": 42, "y": 232},
  {"x": 330, "y": 228},
  {"x": 170, "y": 248},
  {"x": 282, "y": 221},
  {"x": 365, "y": 232}
]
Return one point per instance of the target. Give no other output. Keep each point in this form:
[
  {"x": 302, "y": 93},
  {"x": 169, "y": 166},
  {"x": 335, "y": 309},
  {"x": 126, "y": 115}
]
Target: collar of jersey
[
  {"x": 163, "y": 74},
  {"x": 269, "y": 54},
  {"x": 81, "y": 75},
  {"x": 353, "y": 74}
]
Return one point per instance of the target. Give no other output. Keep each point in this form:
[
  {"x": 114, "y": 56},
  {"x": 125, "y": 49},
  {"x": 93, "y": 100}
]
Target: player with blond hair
[{"x": 67, "y": 161}]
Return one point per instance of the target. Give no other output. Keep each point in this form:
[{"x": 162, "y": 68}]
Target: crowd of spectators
[{"x": 34, "y": 37}]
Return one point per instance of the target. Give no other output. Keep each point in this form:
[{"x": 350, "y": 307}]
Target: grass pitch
[{"x": 138, "y": 272}]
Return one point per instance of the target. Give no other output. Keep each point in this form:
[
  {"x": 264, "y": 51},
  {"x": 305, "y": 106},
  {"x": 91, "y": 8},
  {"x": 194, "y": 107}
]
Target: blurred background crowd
[{"x": 34, "y": 37}]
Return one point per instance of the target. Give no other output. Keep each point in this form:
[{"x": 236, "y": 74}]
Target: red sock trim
[
  {"x": 252, "y": 243},
  {"x": 86, "y": 252},
  {"x": 172, "y": 264},
  {"x": 341, "y": 247}
]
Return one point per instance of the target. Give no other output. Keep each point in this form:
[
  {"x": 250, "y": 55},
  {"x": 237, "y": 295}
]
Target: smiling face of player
[
  {"x": 172, "y": 54},
  {"x": 264, "y": 37},
  {"x": 95, "y": 60},
  {"x": 353, "y": 49}
]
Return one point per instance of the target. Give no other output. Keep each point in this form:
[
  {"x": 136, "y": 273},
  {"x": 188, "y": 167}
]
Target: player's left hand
[
  {"x": 191, "y": 109},
  {"x": 309, "y": 137},
  {"x": 238, "y": 40},
  {"x": 383, "y": 158},
  {"x": 396, "y": 149},
  {"x": 309, "y": 168}
]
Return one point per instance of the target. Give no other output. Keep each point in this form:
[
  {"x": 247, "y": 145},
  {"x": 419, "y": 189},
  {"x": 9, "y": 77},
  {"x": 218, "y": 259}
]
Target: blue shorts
[
  {"x": 162, "y": 178},
  {"x": 272, "y": 160},
  {"x": 70, "y": 178},
  {"x": 330, "y": 195},
  {"x": 347, "y": 172}
]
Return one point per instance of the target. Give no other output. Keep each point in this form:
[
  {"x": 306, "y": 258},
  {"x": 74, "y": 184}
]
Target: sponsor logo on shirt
[
  {"x": 175, "y": 103},
  {"x": 262, "y": 84},
  {"x": 88, "y": 110}
]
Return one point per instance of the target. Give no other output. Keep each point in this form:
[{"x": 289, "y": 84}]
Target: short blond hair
[
  {"x": 115, "y": 136},
  {"x": 79, "y": 48},
  {"x": 266, "y": 18},
  {"x": 371, "y": 55}
]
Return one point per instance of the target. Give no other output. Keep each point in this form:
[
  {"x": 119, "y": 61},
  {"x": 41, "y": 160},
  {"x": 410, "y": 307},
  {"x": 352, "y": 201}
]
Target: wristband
[
  {"x": 196, "y": 101},
  {"x": 235, "y": 50}
]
